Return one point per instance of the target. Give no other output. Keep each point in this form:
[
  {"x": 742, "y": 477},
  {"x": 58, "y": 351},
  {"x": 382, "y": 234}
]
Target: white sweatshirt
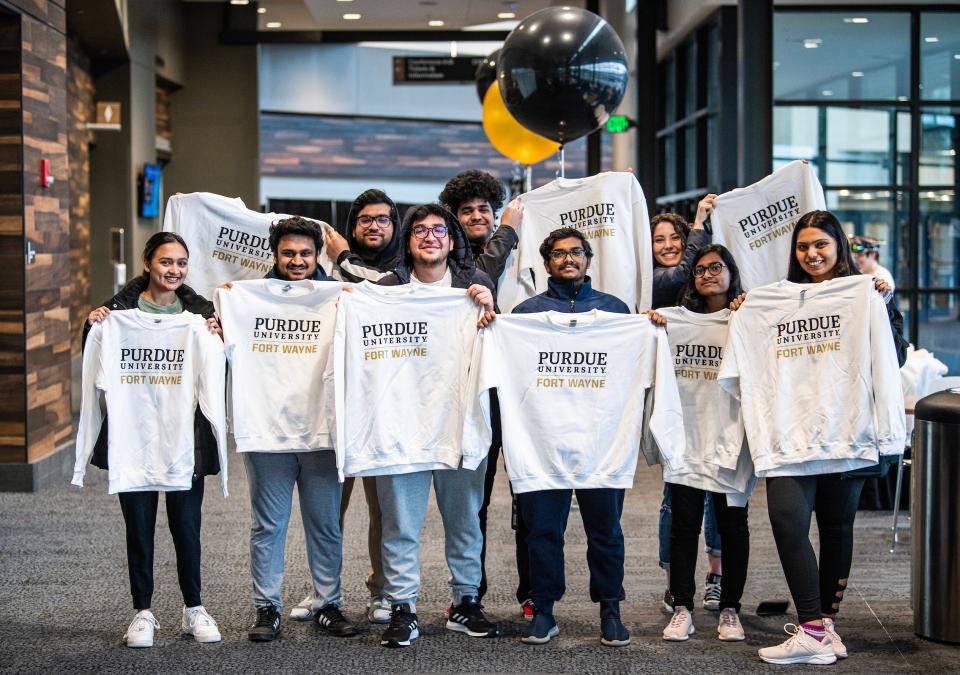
[
  {"x": 154, "y": 369},
  {"x": 401, "y": 361},
  {"x": 572, "y": 390},
  {"x": 716, "y": 458},
  {"x": 815, "y": 369},
  {"x": 277, "y": 336},
  {"x": 611, "y": 211},
  {"x": 756, "y": 222},
  {"x": 227, "y": 241}
]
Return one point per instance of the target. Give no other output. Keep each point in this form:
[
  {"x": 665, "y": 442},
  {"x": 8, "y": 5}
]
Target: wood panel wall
[
  {"x": 81, "y": 109},
  {"x": 13, "y": 410},
  {"x": 47, "y": 299}
]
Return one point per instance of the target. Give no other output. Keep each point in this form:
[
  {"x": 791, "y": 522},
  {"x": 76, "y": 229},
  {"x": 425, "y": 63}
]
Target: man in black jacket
[{"x": 437, "y": 254}]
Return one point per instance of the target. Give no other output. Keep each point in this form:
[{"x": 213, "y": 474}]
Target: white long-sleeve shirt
[
  {"x": 154, "y": 369},
  {"x": 277, "y": 336},
  {"x": 716, "y": 457},
  {"x": 611, "y": 212},
  {"x": 572, "y": 390},
  {"x": 401, "y": 363},
  {"x": 756, "y": 222},
  {"x": 815, "y": 369},
  {"x": 227, "y": 241}
]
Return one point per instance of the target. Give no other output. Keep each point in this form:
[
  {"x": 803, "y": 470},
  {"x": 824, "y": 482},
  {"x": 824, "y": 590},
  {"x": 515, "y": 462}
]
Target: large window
[{"x": 872, "y": 101}]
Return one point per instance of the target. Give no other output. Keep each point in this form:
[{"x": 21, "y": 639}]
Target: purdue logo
[
  {"x": 590, "y": 367},
  {"x": 595, "y": 220},
  {"x": 243, "y": 249},
  {"x": 407, "y": 339},
  {"x": 814, "y": 336},
  {"x": 287, "y": 336},
  {"x": 144, "y": 365},
  {"x": 757, "y": 226}
]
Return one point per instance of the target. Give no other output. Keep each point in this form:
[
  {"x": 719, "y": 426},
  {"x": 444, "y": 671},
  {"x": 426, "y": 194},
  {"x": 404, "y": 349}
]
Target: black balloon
[
  {"x": 486, "y": 74},
  {"x": 562, "y": 72}
]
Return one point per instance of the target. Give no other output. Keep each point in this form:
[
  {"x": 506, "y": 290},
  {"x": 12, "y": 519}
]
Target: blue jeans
[
  {"x": 403, "y": 507},
  {"x": 271, "y": 476},
  {"x": 711, "y": 533}
]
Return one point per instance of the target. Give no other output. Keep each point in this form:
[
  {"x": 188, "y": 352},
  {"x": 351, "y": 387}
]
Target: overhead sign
[
  {"x": 435, "y": 69},
  {"x": 617, "y": 124}
]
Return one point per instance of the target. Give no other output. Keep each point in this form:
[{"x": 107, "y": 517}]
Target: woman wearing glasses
[
  {"x": 675, "y": 246},
  {"x": 697, "y": 331}
]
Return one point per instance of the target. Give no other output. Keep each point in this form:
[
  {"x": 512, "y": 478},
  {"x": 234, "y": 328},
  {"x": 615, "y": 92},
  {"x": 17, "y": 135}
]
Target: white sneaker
[
  {"x": 680, "y": 627},
  {"x": 141, "y": 629},
  {"x": 729, "y": 628},
  {"x": 800, "y": 648},
  {"x": 378, "y": 610},
  {"x": 199, "y": 624},
  {"x": 303, "y": 611},
  {"x": 839, "y": 648}
]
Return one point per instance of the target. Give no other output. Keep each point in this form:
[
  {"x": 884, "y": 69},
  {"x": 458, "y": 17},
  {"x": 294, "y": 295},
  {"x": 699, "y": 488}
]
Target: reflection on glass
[
  {"x": 939, "y": 322},
  {"x": 690, "y": 79},
  {"x": 939, "y": 239},
  {"x": 903, "y": 147},
  {"x": 669, "y": 91},
  {"x": 669, "y": 155},
  {"x": 828, "y": 56},
  {"x": 938, "y": 151},
  {"x": 940, "y": 56},
  {"x": 879, "y": 214},
  {"x": 858, "y": 146},
  {"x": 690, "y": 158},
  {"x": 796, "y": 130},
  {"x": 713, "y": 64}
]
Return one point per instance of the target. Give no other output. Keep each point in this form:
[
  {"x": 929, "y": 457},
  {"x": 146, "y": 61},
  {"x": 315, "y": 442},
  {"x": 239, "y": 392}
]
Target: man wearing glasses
[
  {"x": 436, "y": 253},
  {"x": 566, "y": 256}
]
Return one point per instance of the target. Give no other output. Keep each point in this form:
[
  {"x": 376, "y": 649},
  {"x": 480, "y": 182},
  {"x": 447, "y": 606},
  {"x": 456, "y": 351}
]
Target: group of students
[{"x": 456, "y": 244}]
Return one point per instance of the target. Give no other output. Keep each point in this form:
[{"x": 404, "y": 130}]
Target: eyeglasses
[
  {"x": 559, "y": 254},
  {"x": 713, "y": 268},
  {"x": 367, "y": 221},
  {"x": 421, "y": 231}
]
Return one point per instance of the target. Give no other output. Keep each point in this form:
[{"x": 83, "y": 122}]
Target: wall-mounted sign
[
  {"x": 435, "y": 69},
  {"x": 108, "y": 116}
]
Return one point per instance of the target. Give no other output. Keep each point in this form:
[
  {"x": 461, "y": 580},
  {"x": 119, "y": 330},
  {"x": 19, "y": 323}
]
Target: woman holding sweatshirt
[{"x": 160, "y": 290}]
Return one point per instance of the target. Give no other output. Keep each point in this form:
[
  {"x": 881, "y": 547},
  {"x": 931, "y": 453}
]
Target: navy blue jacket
[{"x": 561, "y": 297}]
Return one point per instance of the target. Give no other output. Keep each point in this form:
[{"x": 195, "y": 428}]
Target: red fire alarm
[{"x": 46, "y": 179}]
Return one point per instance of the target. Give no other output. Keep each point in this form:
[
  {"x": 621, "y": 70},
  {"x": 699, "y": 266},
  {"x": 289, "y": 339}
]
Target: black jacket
[
  {"x": 491, "y": 256},
  {"x": 463, "y": 268},
  {"x": 560, "y": 296},
  {"x": 206, "y": 461},
  {"x": 358, "y": 262},
  {"x": 668, "y": 282}
]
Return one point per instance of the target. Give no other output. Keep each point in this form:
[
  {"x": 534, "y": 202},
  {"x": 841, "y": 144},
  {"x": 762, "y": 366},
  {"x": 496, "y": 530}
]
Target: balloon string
[{"x": 561, "y": 172}]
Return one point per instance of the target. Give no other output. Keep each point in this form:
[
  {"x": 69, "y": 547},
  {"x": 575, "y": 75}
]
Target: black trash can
[{"x": 935, "y": 515}]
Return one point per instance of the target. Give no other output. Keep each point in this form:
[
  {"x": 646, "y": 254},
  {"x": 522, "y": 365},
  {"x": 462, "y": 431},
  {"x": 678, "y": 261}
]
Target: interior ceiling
[{"x": 297, "y": 15}]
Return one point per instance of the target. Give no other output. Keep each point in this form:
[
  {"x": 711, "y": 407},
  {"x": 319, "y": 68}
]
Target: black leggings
[
  {"x": 493, "y": 458},
  {"x": 183, "y": 517},
  {"x": 687, "y": 507},
  {"x": 791, "y": 500}
]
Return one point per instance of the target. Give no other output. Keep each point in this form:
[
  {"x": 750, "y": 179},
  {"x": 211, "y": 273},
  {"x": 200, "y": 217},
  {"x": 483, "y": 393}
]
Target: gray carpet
[{"x": 64, "y": 600}]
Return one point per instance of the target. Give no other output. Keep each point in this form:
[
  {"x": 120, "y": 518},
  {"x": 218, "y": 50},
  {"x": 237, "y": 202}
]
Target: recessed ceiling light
[
  {"x": 344, "y": 0},
  {"x": 827, "y": 92},
  {"x": 261, "y": 10},
  {"x": 435, "y": 22},
  {"x": 506, "y": 15},
  {"x": 812, "y": 43},
  {"x": 956, "y": 57},
  {"x": 351, "y": 17},
  {"x": 902, "y": 98},
  {"x": 931, "y": 39},
  {"x": 856, "y": 19},
  {"x": 273, "y": 24},
  {"x": 856, "y": 73},
  {"x": 239, "y": 2}
]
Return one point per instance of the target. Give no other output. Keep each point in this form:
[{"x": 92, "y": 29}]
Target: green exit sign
[{"x": 617, "y": 124}]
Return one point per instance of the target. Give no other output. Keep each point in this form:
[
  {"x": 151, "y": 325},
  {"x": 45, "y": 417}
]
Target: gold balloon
[{"x": 508, "y": 136}]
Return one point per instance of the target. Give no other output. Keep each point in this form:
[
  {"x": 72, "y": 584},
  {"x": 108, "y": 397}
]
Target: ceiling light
[
  {"x": 453, "y": 49},
  {"x": 506, "y": 15},
  {"x": 931, "y": 39},
  {"x": 956, "y": 57},
  {"x": 902, "y": 98},
  {"x": 344, "y": 0},
  {"x": 812, "y": 43},
  {"x": 273, "y": 24},
  {"x": 856, "y": 73},
  {"x": 844, "y": 193},
  {"x": 856, "y": 19},
  {"x": 239, "y": 2},
  {"x": 435, "y": 22},
  {"x": 827, "y": 92},
  {"x": 351, "y": 17},
  {"x": 261, "y": 10}
]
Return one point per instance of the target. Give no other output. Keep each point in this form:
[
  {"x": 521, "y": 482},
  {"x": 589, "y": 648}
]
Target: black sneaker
[
  {"x": 711, "y": 592},
  {"x": 468, "y": 617},
  {"x": 331, "y": 619},
  {"x": 667, "y": 605},
  {"x": 613, "y": 633},
  {"x": 267, "y": 627},
  {"x": 402, "y": 630},
  {"x": 541, "y": 630}
]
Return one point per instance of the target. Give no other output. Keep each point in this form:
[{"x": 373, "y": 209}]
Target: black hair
[
  {"x": 691, "y": 298},
  {"x": 157, "y": 240},
  {"x": 564, "y": 233},
  {"x": 472, "y": 184},
  {"x": 368, "y": 197},
  {"x": 826, "y": 221},
  {"x": 679, "y": 223},
  {"x": 434, "y": 209},
  {"x": 295, "y": 225}
]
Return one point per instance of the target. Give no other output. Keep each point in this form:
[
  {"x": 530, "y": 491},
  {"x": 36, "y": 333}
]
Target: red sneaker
[{"x": 526, "y": 609}]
